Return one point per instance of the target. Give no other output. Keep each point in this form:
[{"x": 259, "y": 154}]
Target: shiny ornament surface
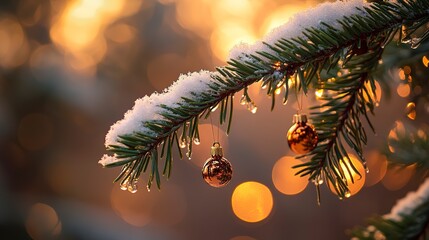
[
  {"x": 217, "y": 171},
  {"x": 302, "y": 136}
]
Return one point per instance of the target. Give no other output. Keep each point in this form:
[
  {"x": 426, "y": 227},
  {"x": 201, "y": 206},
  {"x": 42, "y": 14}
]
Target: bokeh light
[
  {"x": 79, "y": 29},
  {"x": 410, "y": 110},
  {"x": 284, "y": 177},
  {"x": 14, "y": 47},
  {"x": 166, "y": 207},
  {"x": 393, "y": 134},
  {"x": 354, "y": 181},
  {"x": 397, "y": 177},
  {"x": 135, "y": 209},
  {"x": 425, "y": 61},
  {"x": 121, "y": 33},
  {"x": 280, "y": 15},
  {"x": 252, "y": 201},
  {"x": 42, "y": 222},
  {"x": 377, "y": 165},
  {"x": 403, "y": 90}
]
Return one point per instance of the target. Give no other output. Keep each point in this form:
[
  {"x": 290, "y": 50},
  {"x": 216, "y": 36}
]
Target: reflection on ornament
[
  {"x": 217, "y": 170},
  {"x": 353, "y": 180},
  {"x": 301, "y": 137}
]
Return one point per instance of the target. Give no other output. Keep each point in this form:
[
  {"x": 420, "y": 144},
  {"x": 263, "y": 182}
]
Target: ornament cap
[
  {"x": 216, "y": 150},
  {"x": 299, "y": 118}
]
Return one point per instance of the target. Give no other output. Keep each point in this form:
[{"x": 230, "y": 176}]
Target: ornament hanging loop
[{"x": 216, "y": 150}]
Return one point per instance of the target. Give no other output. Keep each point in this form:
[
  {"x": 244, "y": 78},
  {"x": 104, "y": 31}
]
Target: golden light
[
  {"x": 376, "y": 97},
  {"x": 403, "y": 90},
  {"x": 401, "y": 74},
  {"x": 393, "y": 134},
  {"x": 357, "y": 183},
  {"x": 410, "y": 110},
  {"x": 121, "y": 33},
  {"x": 252, "y": 201},
  {"x": 377, "y": 165},
  {"x": 397, "y": 177},
  {"x": 14, "y": 47},
  {"x": 135, "y": 209},
  {"x": 195, "y": 16},
  {"x": 227, "y": 36},
  {"x": 280, "y": 16},
  {"x": 79, "y": 29},
  {"x": 42, "y": 222},
  {"x": 407, "y": 70},
  {"x": 425, "y": 61},
  {"x": 284, "y": 177}
]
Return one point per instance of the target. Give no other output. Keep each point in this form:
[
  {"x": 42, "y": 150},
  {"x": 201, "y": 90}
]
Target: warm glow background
[{"x": 71, "y": 68}]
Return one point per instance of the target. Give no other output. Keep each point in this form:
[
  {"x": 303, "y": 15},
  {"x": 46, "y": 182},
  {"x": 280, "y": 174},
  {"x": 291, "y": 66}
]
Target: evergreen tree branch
[
  {"x": 356, "y": 40},
  {"x": 408, "y": 219}
]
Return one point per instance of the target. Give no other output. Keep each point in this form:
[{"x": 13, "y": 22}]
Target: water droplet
[
  {"x": 415, "y": 43},
  {"x": 215, "y": 107},
  {"x": 243, "y": 100},
  {"x": 132, "y": 188},
  {"x": 320, "y": 181},
  {"x": 284, "y": 102},
  {"x": 278, "y": 91},
  {"x": 197, "y": 141},
  {"x": 124, "y": 185},
  {"x": 252, "y": 107},
  {"x": 148, "y": 188},
  {"x": 347, "y": 194},
  {"x": 405, "y": 37},
  {"x": 188, "y": 155},
  {"x": 183, "y": 143}
]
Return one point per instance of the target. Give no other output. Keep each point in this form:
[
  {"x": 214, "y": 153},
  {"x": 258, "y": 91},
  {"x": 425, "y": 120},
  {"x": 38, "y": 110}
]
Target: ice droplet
[
  {"x": 132, "y": 188},
  {"x": 243, "y": 100},
  {"x": 415, "y": 42},
  {"x": 252, "y": 107},
  {"x": 183, "y": 142},
  {"x": 347, "y": 194}
]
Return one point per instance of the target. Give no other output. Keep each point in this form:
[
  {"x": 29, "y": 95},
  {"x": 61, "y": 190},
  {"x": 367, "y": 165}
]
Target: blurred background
[{"x": 70, "y": 69}]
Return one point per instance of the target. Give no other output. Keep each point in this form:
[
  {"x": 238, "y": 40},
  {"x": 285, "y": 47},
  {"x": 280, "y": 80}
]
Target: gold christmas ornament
[
  {"x": 301, "y": 137},
  {"x": 217, "y": 170}
]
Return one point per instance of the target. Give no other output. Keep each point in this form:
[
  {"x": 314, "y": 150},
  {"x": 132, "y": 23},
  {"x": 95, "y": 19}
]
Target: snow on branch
[{"x": 191, "y": 85}]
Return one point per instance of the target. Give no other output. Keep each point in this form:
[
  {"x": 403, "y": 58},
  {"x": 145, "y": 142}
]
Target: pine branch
[
  {"x": 356, "y": 40},
  {"x": 408, "y": 219}
]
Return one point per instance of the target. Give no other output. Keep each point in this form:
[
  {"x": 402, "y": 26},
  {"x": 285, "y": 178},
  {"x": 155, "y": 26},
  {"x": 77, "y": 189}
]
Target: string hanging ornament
[
  {"x": 301, "y": 136},
  {"x": 217, "y": 170}
]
